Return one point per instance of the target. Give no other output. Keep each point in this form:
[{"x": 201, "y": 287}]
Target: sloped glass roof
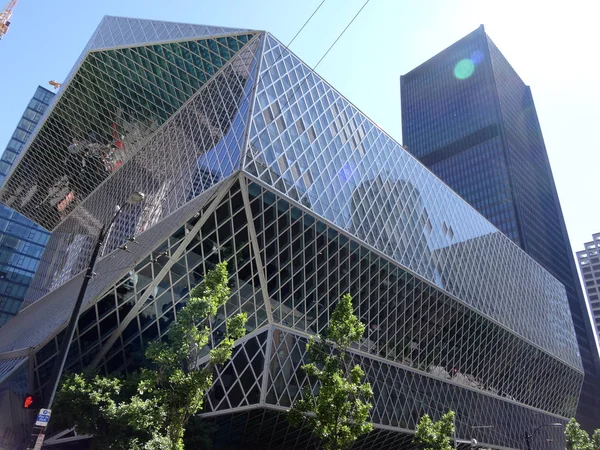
[{"x": 116, "y": 99}]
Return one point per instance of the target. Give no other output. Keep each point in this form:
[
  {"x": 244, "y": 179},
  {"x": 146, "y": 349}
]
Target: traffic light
[{"x": 32, "y": 402}]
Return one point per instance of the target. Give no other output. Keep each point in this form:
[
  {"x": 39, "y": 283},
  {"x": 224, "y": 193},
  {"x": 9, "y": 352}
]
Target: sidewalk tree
[
  {"x": 596, "y": 440},
  {"x": 338, "y": 413},
  {"x": 578, "y": 439},
  {"x": 435, "y": 435},
  {"x": 150, "y": 410}
]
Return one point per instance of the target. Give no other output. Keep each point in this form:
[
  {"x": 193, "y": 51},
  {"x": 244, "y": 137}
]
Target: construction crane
[{"x": 5, "y": 17}]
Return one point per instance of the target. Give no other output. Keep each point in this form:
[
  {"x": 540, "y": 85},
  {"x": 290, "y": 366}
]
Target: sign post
[
  {"x": 39, "y": 442},
  {"x": 39, "y": 429}
]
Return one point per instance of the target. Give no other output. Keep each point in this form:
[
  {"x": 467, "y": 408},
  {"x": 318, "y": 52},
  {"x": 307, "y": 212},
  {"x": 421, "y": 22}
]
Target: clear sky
[{"x": 552, "y": 44}]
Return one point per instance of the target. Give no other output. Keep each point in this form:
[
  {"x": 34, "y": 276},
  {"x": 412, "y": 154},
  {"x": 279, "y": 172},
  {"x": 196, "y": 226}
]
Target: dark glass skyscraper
[
  {"x": 469, "y": 117},
  {"x": 22, "y": 241}
]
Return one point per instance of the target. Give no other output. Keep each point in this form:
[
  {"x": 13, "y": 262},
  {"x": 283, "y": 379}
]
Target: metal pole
[
  {"x": 527, "y": 437},
  {"x": 65, "y": 345},
  {"x": 454, "y": 426}
]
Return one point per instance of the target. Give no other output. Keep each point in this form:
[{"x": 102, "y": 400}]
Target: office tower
[
  {"x": 469, "y": 118},
  {"x": 252, "y": 158},
  {"x": 589, "y": 264},
  {"x": 21, "y": 240}
]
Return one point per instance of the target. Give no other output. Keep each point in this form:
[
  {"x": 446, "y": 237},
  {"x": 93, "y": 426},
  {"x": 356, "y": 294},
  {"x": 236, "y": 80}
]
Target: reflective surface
[
  {"x": 433, "y": 353},
  {"x": 113, "y": 103},
  {"x": 310, "y": 143},
  {"x": 199, "y": 146},
  {"x": 21, "y": 240}
]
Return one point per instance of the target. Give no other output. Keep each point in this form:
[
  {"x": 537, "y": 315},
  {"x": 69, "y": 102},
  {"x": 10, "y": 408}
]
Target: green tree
[
  {"x": 152, "y": 408},
  {"x": 339, "y": 413},
  {"x": 576, "y": 438},
  {"x": 108, "y": 408},
  {"x": 596, "y": 440},
  {"x": 435, "y": 435}
]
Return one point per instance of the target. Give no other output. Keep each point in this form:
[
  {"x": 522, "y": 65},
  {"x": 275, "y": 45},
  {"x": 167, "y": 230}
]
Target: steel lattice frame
[{"x": 246, "y": 155}]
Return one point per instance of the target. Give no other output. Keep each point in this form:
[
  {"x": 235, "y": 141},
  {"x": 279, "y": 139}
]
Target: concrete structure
[
  {"x": 246, "y": 155},
  {"x": 468, "y": 117}
]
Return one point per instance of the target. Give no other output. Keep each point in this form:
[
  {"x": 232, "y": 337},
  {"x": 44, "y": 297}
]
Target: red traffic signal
[{"x": 31, "y": 401}]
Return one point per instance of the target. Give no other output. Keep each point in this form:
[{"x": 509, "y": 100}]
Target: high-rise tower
[
  {"x": 468, "y": 116},
  {"x": 21, "y": 240}
]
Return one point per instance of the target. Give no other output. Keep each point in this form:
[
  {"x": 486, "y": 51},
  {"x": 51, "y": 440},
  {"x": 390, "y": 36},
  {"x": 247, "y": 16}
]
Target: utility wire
[
  {"x": 246, "y": 94},
  {"x": 316, "y": 65},
  {"x": 303, "y": 26},
  {"x": 305, "y": 77},
  {"x": 341, "y": 34}
]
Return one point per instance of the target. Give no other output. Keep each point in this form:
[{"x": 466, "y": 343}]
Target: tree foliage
[
  {"x": 109, "y": 409},
  {"x": 338, "y": 414},
  {"x": 596, "y": 440},
  {"x": 435, "y": 435},
  {"x": 578, "y": 439},
  {"x": 152, "y": 408}
]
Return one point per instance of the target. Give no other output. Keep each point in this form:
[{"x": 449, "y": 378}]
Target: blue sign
[{"x": 43, "y": 418}]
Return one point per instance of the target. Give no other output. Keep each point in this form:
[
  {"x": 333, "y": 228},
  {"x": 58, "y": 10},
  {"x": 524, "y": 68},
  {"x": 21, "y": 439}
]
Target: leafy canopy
[
  {"x": 338, "y": 414},
  {"x": 150, "y": 410},
  {"x": 578, "y": 439},
  {"x": 596, "y": 440},
  {"x": 435, "y": 435}
]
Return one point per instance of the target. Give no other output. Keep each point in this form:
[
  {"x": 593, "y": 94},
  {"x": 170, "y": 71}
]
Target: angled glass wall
[
  {"x": 198, "y": 146},
  {"x": 117, "y": 98},
  {"x": 312, "y": 145}
]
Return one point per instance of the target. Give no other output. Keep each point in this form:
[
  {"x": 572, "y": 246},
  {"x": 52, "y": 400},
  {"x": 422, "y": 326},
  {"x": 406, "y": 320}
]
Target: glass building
[
  {"x": 469, "y": 118},
  {"x": 248, "y": 156},
  {"x": 21, "y": 240}
]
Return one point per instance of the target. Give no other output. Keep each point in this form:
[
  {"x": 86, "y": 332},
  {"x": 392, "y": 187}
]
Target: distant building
[
  {"x": 21, "y": 240},
  {"x": 468, "y": 116},
  {"x": 589, "y": 264}
]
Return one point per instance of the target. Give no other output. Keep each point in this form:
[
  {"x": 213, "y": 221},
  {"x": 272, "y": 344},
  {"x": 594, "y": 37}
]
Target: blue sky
[{"x": 552, "y": 45}]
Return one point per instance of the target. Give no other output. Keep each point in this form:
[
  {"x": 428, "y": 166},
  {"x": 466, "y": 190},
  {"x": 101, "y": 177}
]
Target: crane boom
[{"x": 5, "y": 17}]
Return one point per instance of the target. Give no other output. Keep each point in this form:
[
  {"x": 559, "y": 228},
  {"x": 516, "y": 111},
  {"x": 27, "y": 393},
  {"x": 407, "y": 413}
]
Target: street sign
[
  {"x": 43, "y": 418},
  {"x": 39, "y": 442}
]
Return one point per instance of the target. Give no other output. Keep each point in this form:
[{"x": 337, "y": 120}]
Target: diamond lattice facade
[{"x": 247, "y": 155}]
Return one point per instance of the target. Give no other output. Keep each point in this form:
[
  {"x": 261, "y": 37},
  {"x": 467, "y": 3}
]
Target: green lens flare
[{"x": 464, "y": 69}]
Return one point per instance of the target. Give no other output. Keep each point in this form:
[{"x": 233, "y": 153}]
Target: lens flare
[{"x": 464, "y": 69}]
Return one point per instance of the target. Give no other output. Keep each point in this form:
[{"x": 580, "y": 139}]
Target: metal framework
[
  {"x": 5, "y": 16},
  {"x": 263, "y": 164}
]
